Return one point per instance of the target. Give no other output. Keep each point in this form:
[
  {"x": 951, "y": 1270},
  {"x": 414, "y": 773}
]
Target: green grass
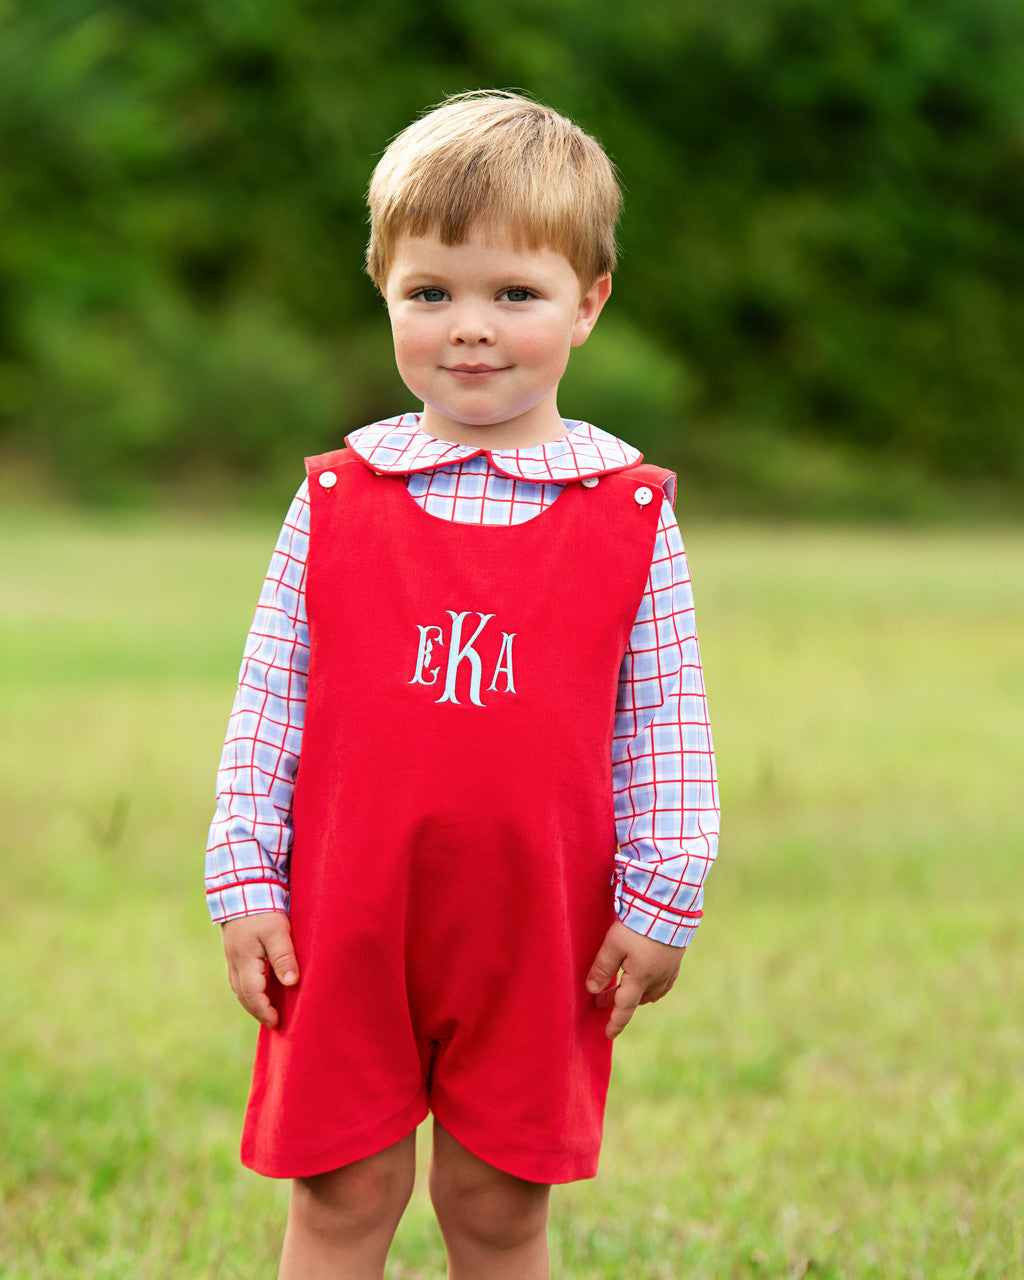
[{"x": 833, "y": 1090}]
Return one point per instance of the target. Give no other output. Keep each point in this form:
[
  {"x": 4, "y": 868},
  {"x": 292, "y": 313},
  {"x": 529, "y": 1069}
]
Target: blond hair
[{"x": 496, "y": 159}]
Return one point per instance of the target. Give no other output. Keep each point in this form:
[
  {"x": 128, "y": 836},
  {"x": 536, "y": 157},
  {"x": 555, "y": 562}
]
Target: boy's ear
[{"x": 590, "y": 308}]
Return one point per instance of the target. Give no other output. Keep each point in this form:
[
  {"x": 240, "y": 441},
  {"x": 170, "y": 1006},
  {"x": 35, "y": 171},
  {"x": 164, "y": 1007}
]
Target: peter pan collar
[{"x": 397, "y": 446}]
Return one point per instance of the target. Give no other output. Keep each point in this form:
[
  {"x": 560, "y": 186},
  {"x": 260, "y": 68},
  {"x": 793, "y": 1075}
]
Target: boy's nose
[{"x": 470, "y": 327}]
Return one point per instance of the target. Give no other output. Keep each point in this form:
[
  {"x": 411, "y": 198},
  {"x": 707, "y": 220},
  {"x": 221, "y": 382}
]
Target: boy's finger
[
  {"x": 282, "y": 957},
  {"x": 252, "y": 995},
  {"x": 605, "y": 967},
  {"x": 627, "y": 996},
  {"x": 653, "y": 994},
  {"x": 261, "y": 1009},
  {"x": 252, "y": 984},
  {"x": 606, "y": 998}
]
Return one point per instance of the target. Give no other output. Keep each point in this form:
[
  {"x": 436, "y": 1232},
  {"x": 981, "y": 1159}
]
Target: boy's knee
[
  {"x": 493, "y": 1211},
  {"x": 358, "y": 1200}
]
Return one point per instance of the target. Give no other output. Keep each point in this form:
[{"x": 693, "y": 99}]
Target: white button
[
  {"x": 328, "y": 479},
  {"x": 589, "y": 482},
  {"x": 643, "y": 495}
]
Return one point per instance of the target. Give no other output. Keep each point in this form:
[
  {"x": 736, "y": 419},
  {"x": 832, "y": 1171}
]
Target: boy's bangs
[
  {"x": 501, "y": 161},
  {"x": 454, "y": 211}
]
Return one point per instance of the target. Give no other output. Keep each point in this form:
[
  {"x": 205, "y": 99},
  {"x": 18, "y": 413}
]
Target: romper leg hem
[
  {"x": 494, "y": 1142},
  {"x": 336, "y": 1154}
]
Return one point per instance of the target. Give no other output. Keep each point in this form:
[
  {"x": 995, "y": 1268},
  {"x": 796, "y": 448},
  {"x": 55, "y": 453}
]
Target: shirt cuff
[
  {"x": 646, "y": 915},
  {"x": 246, "y": 898}
]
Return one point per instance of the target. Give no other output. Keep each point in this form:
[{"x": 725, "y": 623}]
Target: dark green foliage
[{"x": 822, "y": 245}]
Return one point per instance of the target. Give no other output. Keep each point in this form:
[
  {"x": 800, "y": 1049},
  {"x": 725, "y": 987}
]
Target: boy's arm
[
  {"x": 666, "y": 792},
  {"x": 250, "y": 837}
]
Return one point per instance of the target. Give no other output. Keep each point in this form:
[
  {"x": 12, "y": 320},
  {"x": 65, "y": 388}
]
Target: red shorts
[{"x": 501, "y": 1041}]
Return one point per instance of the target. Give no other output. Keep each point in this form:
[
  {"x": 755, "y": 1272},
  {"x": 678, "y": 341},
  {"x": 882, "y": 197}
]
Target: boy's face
[{"x": 483, "y": 333}]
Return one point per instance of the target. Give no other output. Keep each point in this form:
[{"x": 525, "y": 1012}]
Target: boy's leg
[
  {"x": 341, "y": 1223},
  {"x": 495, "y": 1226}
]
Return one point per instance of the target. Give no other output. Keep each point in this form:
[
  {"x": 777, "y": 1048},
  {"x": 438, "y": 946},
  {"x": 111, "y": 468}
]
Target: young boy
[{"x": 467, "y": 800}]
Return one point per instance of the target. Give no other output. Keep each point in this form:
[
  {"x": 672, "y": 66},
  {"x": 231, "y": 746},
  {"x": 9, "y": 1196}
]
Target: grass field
[{"x": 835, "y": 1089}]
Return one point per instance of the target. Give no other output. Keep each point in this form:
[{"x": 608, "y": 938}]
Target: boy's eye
[
  {"x": 430, "y": 295},
  {"x": 516, "y": 294}
]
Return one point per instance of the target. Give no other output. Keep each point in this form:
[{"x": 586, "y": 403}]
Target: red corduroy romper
[{"x": 454, "y": 832}]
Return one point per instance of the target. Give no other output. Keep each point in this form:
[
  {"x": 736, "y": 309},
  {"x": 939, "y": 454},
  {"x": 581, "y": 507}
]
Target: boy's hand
[
  {"x": 249, "y": 942},
  {"x": 649, "y": 970}
]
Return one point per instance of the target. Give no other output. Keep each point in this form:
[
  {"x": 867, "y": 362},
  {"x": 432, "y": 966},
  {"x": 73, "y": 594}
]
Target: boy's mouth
[{"x": 474, "y": 371}]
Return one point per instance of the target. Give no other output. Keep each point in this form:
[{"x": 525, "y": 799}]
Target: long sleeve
[
  {"x": 666, "y": 791},
  {"x": 250, "y": 837}
]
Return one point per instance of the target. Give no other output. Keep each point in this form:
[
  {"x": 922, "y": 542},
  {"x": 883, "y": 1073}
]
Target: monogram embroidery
[{"x": 462, "y": 654}]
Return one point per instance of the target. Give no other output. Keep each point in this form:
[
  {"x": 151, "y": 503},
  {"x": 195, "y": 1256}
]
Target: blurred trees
[{"x": 822, "y": 246}]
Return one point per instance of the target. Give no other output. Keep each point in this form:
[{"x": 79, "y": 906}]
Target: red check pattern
[{"x": 665, "y": 786}]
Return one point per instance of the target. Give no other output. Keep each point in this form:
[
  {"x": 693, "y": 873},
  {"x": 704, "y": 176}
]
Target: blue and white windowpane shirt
[{"x": 666, "y": 791}]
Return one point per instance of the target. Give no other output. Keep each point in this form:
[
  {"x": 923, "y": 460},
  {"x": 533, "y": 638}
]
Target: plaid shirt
[{"x": 665, "y": 788}]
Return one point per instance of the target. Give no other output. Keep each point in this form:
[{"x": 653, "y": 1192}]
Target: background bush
[{"x": 820, "y": 300}]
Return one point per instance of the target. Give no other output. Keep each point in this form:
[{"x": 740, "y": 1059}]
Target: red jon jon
[{"x": 467, "y": 800}]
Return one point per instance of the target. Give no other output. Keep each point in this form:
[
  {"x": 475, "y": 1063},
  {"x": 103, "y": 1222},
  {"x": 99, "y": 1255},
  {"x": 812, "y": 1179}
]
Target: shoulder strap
[
  {"x": 648, "y": 473},
  {"x": 332, "y": 459}
]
